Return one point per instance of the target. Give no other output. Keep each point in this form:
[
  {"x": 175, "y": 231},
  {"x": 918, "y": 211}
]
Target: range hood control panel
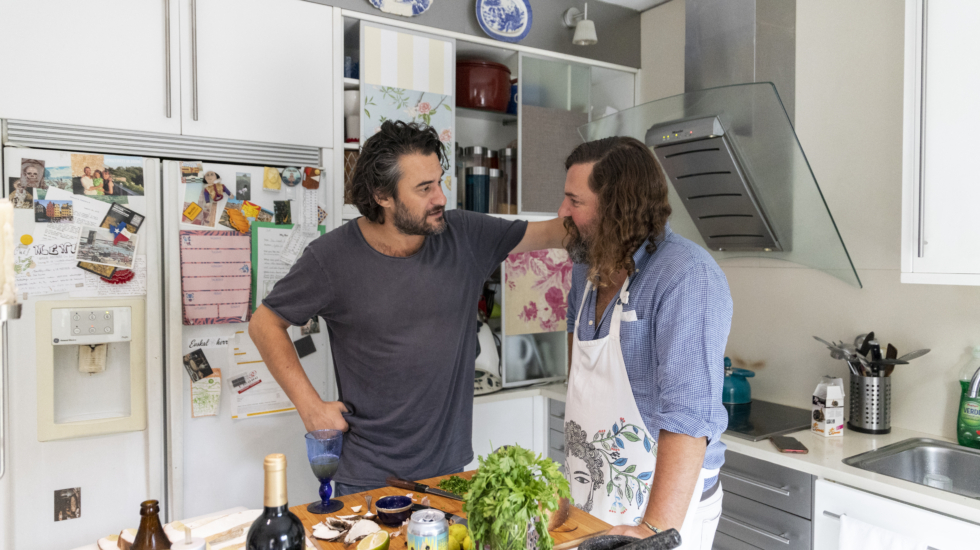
[{"x": 73, "y": 327}]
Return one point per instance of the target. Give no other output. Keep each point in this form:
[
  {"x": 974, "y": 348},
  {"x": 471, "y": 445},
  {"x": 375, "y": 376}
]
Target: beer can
[{"x": 428, "y": 530}]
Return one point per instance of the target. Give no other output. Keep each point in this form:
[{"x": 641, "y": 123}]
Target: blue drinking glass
[{"x": 323, "y": 449}]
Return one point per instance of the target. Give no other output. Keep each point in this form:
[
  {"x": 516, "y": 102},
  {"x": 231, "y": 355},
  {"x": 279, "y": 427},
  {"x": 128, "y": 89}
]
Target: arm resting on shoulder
[
  {"x": 269, "y": 332},
  {"x": 541, "y": 235},
  {"x": 679, "y": 460}
]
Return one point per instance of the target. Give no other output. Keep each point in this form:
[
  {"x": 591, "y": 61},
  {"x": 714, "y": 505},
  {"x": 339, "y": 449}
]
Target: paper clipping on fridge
[
  {"x": 46, "y": 267},
  {"x": 254, "y": 392},
  {"x": 206, "y": 395},
  {"x": 275, "y": 248},
  {"x": 96, "y": 287}
]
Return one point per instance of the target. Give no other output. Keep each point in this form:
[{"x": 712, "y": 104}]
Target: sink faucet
[{"x": 974, "y": 385}]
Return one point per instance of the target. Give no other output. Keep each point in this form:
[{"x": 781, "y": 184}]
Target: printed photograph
[
  {"x": 100, "y": 246},
  {"x": 283, "y": 213},
  {"x": 194, "y": 194},
  {"x": 311, "y": 327},
  {"x": 243, "y": 186},
  {"x": 197, "y": 365},
  {"x": 232, "y": 217},
  {"x": 68, "y": 504},
  {"x": 53, "y": 212},
  {"x": 192, "y": 172},
  {"x": 105, "y": 271},
  {"x": 87, "y": 174},
  {"x": 58, "y": 176},
  {"x": 19, "y": 195},
  {"x": 32, "y": 173},
  {"x": 123, "y": 176},
  {"x": 120, "y": 214}
]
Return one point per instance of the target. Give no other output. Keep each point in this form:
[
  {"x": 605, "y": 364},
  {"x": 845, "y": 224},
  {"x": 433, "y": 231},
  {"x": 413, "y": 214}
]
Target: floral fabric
[{"x": 535, "y": 299}]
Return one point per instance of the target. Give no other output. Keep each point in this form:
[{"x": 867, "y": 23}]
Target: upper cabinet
[
  {"x": 940, "y": 239},
  {"x": 253, "y": 70},
  {"x": 257, "y": 70},
  {"x": 109, "y": 63}
]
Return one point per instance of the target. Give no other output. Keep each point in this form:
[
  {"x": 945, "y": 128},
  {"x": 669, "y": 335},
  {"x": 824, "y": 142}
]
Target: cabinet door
[
  {"x": 98, "y": 63},
  {"x": 831, "y": 500},
  {"x": 257, "y": 70},
  {"x": 941, "y": 243},
  {"x": 507, "y": 422}
]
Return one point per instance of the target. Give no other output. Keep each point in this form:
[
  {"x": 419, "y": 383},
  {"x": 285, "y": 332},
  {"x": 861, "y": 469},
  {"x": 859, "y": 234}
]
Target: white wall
[{"x": 849, "y": 120}]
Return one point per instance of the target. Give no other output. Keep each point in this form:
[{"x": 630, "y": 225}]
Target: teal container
[{"x": 737, "y": 389}]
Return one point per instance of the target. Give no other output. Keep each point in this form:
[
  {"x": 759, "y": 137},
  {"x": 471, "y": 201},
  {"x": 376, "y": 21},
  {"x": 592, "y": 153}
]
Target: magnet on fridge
[
  {"x": 271, "y": 180},
  {"x": 26, "y": 240},
  {"x": 214, "y": 190},
  {"x": 250, "y": 209},
  {"x": 283, "y": 213},
  {"x": 192, "y": 211},
  {"x": 292, "y": 176},
  {"x": 190, "y": 172},
  {"x": 321, "y": 215},
  {"x": 312, "y": 179}
]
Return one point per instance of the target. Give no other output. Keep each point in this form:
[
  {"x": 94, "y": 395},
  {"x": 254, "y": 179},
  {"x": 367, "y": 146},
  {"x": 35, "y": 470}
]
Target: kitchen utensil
[
  {"x": 323, "y": 449},
  {"x": 892, "y": 352},
  {"x": 482, "y": 84},
  {"x": 865, "y": 346},
  {"x": 870, "y": 400},
  {"x": 876, "y": 357},
  {"x": 394, "y": 510},
  {"x": 859, "y": 340},
  {"x": 419, "y": 487},
  {"x": 575, "y": 543},
  {"x": 662, "y": 541},
  {"x": 914, "y": 354},
  {"x": 736, "y": 389}
]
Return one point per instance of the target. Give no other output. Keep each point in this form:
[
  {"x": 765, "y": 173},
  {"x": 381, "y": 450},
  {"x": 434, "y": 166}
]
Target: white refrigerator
[{"x": 123, "y": 435}]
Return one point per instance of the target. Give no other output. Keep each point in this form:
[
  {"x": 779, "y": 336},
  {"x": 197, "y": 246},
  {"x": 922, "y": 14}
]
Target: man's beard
[
  {"x": 409, "y": 225},
  {"x": 578, "y": 246}
]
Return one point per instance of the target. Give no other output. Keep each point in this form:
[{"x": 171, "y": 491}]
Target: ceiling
[{"x": 638, "y": 5}]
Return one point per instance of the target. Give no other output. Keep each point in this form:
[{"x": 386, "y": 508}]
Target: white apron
[{"x": 610, "y": 458}]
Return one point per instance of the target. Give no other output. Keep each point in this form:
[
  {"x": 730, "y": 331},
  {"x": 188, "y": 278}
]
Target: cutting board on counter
[{"x": 580, "y": 524}]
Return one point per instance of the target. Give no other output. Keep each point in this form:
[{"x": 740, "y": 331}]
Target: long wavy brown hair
[{"x": 632, "y": 203}]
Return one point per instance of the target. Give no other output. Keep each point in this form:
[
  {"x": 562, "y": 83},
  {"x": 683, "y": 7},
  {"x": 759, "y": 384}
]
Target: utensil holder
[{"x": 871, "y": 404}]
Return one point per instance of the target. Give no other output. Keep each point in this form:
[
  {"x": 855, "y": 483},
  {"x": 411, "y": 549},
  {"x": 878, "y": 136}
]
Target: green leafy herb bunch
[{"x": 510, "y": 490}]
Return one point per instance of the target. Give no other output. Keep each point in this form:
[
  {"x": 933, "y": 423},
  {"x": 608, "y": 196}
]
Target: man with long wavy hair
[{"x": 648, "y": 318}]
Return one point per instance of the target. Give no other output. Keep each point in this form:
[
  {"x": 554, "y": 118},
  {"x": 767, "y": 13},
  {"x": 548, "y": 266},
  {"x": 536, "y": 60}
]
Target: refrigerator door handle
[
  {"x": 194, "y": 56},
  {"x": 166, "y": 42},
  {"x": 7, "y": 312}
]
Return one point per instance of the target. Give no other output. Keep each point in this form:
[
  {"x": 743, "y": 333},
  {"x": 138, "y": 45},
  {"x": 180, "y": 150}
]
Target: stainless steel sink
[{"x": 929, "y": 462}]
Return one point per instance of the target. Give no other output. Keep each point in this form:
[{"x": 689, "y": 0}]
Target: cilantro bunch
[
  {"x": 509, "y": 492},
  {"x": 455, "y": 485}
]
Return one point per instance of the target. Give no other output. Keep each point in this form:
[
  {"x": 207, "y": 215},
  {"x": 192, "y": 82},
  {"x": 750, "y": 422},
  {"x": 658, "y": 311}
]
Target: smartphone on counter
[{"x": 787, "y": 444}]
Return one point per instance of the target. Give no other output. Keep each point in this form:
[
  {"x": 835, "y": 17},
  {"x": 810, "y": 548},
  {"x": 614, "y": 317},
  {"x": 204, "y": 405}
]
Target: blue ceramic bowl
[{"x": 393, "y": 511}]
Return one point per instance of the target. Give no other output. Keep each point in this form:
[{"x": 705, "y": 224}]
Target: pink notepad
[{"x": 216, "y": 276}]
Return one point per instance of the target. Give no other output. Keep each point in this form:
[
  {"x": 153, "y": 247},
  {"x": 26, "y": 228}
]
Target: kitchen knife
[
  {"x": 421, "y": 488},
  {"x": 453, "y": 519}
]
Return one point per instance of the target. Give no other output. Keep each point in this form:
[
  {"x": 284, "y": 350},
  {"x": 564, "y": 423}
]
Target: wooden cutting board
[{"x": 580, "y": 525}]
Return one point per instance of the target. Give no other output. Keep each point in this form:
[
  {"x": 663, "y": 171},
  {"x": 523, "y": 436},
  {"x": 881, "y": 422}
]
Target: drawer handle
[
  {"x": 837, "y": 516},
  {"x": 778, "y": 490},
  {"x": 756, "y": 530}
]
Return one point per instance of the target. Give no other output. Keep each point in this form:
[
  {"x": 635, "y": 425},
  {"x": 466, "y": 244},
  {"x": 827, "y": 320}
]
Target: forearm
[
  {"x": 679, "y": 460},
  {"x": 542, "y": 235},
  {"x": 269, "y": 332}
]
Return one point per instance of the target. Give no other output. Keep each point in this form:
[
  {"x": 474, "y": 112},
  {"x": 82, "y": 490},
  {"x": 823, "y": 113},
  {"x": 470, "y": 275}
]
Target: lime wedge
[{"x": 374, "y": 541}]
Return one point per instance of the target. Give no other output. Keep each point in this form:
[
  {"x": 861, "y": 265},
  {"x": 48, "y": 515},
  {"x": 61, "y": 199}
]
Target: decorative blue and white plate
[
  {"x": 405, "y": 8},
  {"x": 506, "y": 20}
]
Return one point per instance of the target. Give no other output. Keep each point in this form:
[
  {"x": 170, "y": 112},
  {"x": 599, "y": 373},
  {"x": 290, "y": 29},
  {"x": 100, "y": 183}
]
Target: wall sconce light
[{"x": 584, "y": 29}]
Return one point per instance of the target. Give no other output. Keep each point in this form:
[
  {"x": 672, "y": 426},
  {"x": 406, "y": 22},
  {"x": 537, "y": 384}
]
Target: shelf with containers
[{"x": 555, "y": 94}]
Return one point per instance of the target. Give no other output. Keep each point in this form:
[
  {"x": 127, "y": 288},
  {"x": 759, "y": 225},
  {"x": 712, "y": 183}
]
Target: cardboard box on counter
[{"x": 828, "y": 408}]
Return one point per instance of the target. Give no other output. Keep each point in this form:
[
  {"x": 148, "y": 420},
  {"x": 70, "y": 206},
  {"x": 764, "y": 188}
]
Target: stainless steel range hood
[{"x": 730, "y": 151}]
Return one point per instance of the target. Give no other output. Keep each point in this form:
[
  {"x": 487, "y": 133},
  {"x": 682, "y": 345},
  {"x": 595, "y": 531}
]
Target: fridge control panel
[{"x": 77, "y": 326}]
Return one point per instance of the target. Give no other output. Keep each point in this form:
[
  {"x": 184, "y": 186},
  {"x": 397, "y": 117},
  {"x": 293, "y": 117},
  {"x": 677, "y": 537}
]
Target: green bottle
[{"x": 968, "y": 419}]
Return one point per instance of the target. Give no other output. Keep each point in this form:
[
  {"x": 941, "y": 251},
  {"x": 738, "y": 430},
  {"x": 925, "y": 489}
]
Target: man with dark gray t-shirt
[{"x": 398, "y": 291}]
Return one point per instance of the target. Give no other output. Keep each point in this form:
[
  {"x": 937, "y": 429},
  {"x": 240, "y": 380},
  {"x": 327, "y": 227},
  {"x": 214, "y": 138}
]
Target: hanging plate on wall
[
  {"x": 506, "y": 20},
  {"x": 406, "y": 8}
]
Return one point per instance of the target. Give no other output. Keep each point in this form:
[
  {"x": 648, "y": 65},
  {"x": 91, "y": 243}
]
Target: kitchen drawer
[
  {"x": 556, "y": 441},
  {"x": 556, "y": 455},
  {"x": 778, "y": 486},
  {"x": 556, "y": 408},
  {"x": 763, "y": 526},
  {"x": 556, "y": 424},
  {"x": 727, "y": 542}
]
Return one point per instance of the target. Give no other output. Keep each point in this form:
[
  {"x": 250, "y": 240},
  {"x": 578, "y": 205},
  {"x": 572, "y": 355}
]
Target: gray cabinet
[
  {"x": 556, "y": 432},
  {"x": 765, "y": 506}
]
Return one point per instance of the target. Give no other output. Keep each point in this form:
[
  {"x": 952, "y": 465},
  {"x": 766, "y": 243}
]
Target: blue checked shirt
[{"x": 674, "y": 350}]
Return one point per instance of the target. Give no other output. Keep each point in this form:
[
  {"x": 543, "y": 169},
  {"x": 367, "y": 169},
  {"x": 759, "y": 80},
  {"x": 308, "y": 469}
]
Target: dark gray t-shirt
[{"x": 403, "y": 336}]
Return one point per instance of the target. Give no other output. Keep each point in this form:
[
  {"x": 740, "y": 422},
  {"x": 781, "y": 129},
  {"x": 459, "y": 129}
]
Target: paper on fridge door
[
  {"x": 85, "y": 211},
  {"x": 96, "y": 287},
  {"x": 254, "y": 392},
  {"x": 46, "y": 267},
  {"x": 206, "y": 395}
]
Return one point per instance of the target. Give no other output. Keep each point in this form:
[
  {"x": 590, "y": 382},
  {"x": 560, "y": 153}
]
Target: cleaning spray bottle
[{"x": 968, "y": 420}]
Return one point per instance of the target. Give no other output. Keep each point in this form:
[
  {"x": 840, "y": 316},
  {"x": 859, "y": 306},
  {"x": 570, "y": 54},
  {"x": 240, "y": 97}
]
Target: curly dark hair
[
  {"x": 632, "y": 203},
  {"x": 376, "y": 172}
]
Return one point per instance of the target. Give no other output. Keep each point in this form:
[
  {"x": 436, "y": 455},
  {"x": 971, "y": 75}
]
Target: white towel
[{"x": 858, "y": 535}]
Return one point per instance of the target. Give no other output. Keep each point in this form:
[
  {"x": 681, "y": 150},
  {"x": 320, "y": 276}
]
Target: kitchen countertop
[
  {"x": 824, "y": 461},
  {"x": 579, "y": 524},
  {"x": 554, "y": 390}
]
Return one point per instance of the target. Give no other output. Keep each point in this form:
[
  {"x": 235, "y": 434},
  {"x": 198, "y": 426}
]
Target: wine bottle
[
  {"x": 150, "y": 535},
  {"x": 277, "y": 528}
]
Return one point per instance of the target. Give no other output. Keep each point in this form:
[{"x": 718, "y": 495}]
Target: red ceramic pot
[{"x": 482, "y": 85}]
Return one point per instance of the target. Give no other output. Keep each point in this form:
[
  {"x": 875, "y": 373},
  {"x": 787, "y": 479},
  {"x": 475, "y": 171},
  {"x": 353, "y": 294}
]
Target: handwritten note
[{"x": 46, "y": 267}]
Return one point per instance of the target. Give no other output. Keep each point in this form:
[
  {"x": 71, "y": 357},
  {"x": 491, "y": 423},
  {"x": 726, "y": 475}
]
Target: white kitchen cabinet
[
  {"x": 831, "y": 500},
  {"x": 498, "y": 422},
  {"x": 101, "y": 63},
  {"x": 940, "y": 239},
  {"x": 257, "y": 70}
]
